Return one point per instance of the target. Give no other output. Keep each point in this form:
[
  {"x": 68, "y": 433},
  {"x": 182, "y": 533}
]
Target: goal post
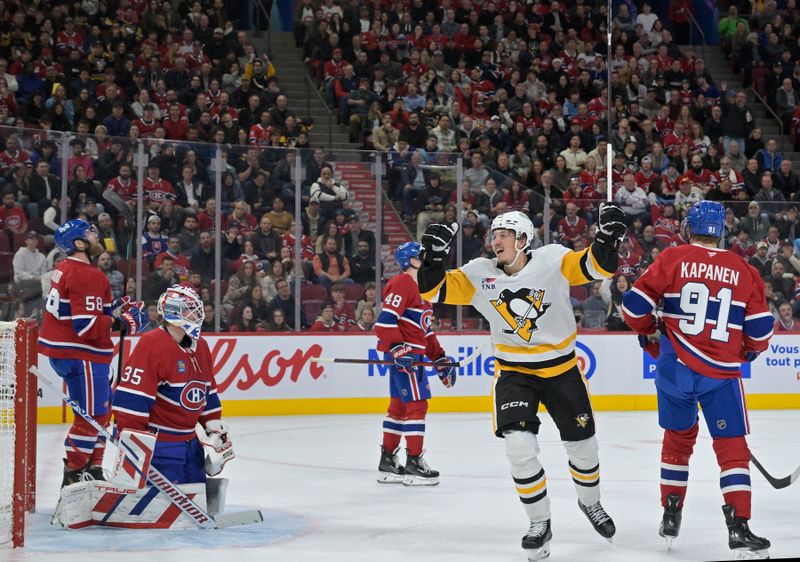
[{"x": 18, "y": 401}]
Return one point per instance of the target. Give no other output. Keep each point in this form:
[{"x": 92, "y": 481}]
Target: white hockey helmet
[
  {"x": 182, "y": 307},
  {"x": 518, "y": 222}
]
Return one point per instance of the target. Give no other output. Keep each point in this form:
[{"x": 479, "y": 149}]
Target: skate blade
[
  {"x": 390, "y": 478},
  {"x": 418, "y": 481},
  {"x": 747, "y": 554},
  {"x": 538, "y": 553}
]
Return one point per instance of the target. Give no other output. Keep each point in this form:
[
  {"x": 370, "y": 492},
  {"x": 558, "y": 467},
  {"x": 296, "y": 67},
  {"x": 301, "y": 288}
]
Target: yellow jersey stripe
[
  {"x": 585, "y": 477},
  {"x": 532, "y": 489},
  {"x": 457, "y": 289},
  {"x": 541, "y": 348},
  {"x": 571, "y": 268}
]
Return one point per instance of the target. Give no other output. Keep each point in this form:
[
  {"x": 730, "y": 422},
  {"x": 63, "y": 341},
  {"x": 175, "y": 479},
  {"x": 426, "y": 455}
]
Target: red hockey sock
[
  {"x": 676, "y": 449},
  {"x": 80, "y": 444},
  {"x": 414, "y": 428},
  {"x": 393, "y": 424},
  {"x": 100, "y": 445},
  {"x": 733, "y": 457}
]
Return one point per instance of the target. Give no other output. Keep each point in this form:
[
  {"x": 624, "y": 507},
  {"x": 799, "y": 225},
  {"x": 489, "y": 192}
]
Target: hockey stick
[
  {"x": 463, "y": 362},
  {"x": 379, "y": 362},
  {"x": 776, "y": 483},
  {"x": 199, "y": 516},
  {"x": 126, "y": 213},
  {"x": 521, "y": 319}
]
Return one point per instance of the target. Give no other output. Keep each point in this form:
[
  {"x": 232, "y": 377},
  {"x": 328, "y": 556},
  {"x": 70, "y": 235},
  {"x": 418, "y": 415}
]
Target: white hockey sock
[
  {"x": 522, "y": 450},
  {"x": 584, "y": 466}
]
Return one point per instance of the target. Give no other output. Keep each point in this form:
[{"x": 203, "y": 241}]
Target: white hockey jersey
[{"x": 529, "y": 313}]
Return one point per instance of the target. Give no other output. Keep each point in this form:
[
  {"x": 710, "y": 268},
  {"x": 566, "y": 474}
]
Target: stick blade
[
  {"x": 113, "y": 198},
  {"x": 250, "y": 517}
]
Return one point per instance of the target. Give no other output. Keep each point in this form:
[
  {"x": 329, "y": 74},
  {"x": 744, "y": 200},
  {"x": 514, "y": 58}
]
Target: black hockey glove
[
  {"x": 610, "y": 225},
  {"x": 436, "y": 242}
]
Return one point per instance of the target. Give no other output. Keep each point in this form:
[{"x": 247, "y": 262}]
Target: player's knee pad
[
  {"x": 732, "y": 451},
  {"x": 522, "y": 447},
  {"x": 583, "y": 453},
  {"x": 416, "y": 410}
]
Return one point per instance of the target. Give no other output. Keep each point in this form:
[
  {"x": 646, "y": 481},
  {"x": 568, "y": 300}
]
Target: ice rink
[{"x": 314, "y": 478}]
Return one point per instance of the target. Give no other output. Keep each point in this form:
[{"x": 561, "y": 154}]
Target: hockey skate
[
  {"x": 418, "y": 473},
  {"x": 600, "y": 520},
  {"x": 536, "y": 541},
  {"x": 671, "y": 521},
  {"x": 741, "y": 540},
  {"x": 71, "y": 476},
  {"x": 389, "y": 469}
]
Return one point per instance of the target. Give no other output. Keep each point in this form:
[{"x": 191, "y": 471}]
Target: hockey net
[{"x": 18, "y": 397}]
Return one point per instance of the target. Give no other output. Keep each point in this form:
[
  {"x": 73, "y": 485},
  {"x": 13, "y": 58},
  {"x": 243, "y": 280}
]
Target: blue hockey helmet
[
  {"x": 706, "y": 218},
  {"x": 405, "y": 252},
  {"x": 67, "y": 233}
]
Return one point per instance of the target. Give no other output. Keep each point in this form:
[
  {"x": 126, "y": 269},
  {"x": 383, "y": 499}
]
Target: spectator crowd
[{"x": 518, "y": 91}]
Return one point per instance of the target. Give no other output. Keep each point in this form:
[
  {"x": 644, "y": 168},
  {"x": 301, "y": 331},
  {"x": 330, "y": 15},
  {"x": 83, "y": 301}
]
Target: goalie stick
[
  {"x": 199, "y": 516},
  {"x": 113, "y": 198},
  {"x": 776, "y": 483}
]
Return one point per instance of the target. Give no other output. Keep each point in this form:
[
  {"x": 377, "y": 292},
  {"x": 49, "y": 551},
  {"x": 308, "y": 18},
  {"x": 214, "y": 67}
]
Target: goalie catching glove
[{"x": 218, "y": 446}]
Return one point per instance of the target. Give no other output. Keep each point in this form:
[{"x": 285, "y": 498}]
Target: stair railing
[
  {"x": 695, "y": 25},
  {"x": 312, "y": 87},
  {"x": 772, "y": 112},
  {"x": 262, "y": 10}
]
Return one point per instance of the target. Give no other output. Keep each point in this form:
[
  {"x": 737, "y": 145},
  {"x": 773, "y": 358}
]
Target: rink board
[{"x": 273, "y": 374}]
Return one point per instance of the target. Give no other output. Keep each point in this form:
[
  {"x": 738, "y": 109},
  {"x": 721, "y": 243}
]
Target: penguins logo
[{"x": 521, "y": 310}]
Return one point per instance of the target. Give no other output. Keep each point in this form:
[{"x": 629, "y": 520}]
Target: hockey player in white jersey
[{"x": 524, "y": 295}]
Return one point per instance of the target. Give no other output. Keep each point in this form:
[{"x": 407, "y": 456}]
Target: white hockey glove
[{"x": 218, "y": 446}]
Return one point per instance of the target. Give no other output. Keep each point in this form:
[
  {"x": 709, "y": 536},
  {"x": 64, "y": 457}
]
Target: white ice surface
[{"x": 314, "y": 477}]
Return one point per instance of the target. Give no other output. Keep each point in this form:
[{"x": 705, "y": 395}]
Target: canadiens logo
[
  {"x": 521, "y": 310},
  {"x": 425, "y": 319},
  {"x": 487, "y": 283},
  {"x": 193, "y": 396}
]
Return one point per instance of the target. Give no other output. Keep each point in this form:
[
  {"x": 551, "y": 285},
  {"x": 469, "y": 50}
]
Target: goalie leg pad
[
  {"x": 522, "y": 451},
  {"x": 101, "y": 503},
  {"x": 584, "y": 467},
  {"x": 134, "y": 454}
]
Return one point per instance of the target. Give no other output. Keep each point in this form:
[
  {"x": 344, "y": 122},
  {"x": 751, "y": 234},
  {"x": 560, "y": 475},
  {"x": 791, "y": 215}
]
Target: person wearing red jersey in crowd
[
  {"x": 13, "y": 154},
  {"x": 241, "y": 215},
  {"x": 665, "y": 222},
  {"x": 176, "y": 126},
  {"x": 325, "y": 321},
  {"x": 404, "y": 335},
  {"x": 147, "y": 123},
  {"x": 714, "y": 319},
  {"x": 698, "y": 174},
  {"x": 76, "y": 337},
  {"x": 167, "y": 387},
  {"x": 366, "y": 321},
  {"x": 786, "y": 321},
  {"x": 572, "y": 227},
  {"x": 181, "y": 264},
  {"x": 12, "y": 216},
  {"x": 157, "y": 189},
  {"x": 124, "y": 184},
  {"x": 261, "y": 133},
  {"x": 344, "y": 313}
]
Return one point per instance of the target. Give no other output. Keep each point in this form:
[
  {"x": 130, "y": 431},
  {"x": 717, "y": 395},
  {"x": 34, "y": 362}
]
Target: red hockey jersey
[
  {"x": 77, "y": 319},
  {"x": 166, "y": 388},
  {"x": 406, "y": 318},
  {"x": 714, "y": 307}
]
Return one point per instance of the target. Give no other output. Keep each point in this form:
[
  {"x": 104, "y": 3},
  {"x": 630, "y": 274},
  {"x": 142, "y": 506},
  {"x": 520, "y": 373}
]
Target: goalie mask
[
  {"x": 182, "y": 307},
  {"x": 519, "y": 223}
]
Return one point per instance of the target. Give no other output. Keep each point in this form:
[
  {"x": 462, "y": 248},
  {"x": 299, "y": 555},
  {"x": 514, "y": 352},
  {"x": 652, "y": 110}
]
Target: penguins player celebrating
[{"x": 524, "y": 295}]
